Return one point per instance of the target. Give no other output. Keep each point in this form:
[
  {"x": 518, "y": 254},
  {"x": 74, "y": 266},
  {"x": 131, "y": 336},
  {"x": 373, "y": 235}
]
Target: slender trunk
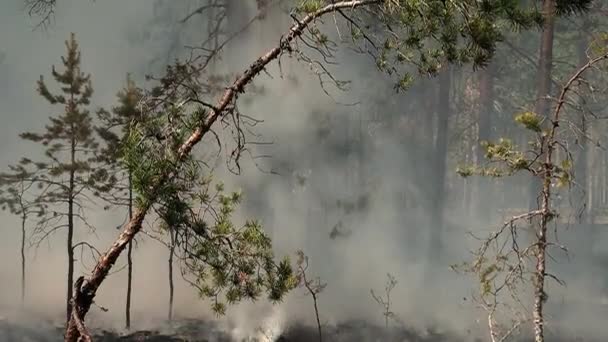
[
  {"x": 581, "y": 164},
  {"x": 541, "y": 253},
  {"x": 543, "y": 91},
  {"x": 314, "y": 298},
  {"x": 438, "y": 195},
  {"x": 542, "y": 108},
  {"x": 129, "y": 261},
  {"x": 70, "y": 239},
  {"x": 23, "y": 221},
  {"x": 171, "y": 253}
]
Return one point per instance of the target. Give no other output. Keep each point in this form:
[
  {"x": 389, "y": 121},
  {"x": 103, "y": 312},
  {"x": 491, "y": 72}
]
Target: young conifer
[{"x": 69, "y": 172}]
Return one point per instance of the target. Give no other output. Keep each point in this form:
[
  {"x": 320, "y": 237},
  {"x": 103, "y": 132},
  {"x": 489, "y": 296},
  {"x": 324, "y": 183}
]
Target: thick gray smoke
[{"x": 345, "y": 187}]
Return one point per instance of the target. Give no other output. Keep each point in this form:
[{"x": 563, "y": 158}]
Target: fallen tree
[{"x": 86, "y": 289}]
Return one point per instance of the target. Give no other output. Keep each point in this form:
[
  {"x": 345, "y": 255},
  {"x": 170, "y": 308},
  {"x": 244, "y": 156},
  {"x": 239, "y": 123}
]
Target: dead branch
[
  {"x": 391, "y": 282},
  {"x": 313, "y": 286},
  {"x": 44, "y": 9}
]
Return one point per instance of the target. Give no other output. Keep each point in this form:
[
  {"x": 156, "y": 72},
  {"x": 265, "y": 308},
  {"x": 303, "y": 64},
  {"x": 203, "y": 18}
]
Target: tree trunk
[
  {"x": 438, "y": 180},
  {"x": 543, "y": 90},
  {"x": 23, "y": 221},
  {"x": 129, "y": 261},
  {"x": 580, "y": 171},
  {"x": 544, "y": 189},
  {"x": 171, "y": 287},
  {"x": 541, "y": 255},
  {"x": 70, "y": 239}
]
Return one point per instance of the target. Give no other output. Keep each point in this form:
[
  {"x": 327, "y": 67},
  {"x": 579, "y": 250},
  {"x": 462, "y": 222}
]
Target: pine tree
[
  {"x": 116, "y": 127},
  {"x": 69, "y": 173}
]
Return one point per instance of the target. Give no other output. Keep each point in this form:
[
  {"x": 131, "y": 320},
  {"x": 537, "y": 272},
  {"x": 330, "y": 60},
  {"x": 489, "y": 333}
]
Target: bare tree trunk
[
  {"x": 541, "y": 254},
  {"x": 438, "y": 181},
  {"x": 129, "y": 261},
  {"x": 543, "y": 91},
  {"x": 171, "y": 287},
  {"x": 314, "y": 298},
  {"x": 23, "y": 221},
  {"x": 581, "y": 172},
  {"x": 70, "y": 239}
]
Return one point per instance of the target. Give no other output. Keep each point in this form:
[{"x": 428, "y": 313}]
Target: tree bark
[
  {"x": 89, "y": 287},
  {"x": 545, "y": 61},
  {"x": 171, "y": 287},
  {"x": 543, "y": 90},
  {"x": 70, "y": 238},
  {"x": 580, "y": 171},
  {"x": 129, "y": 261},
  {"x": 23, "y": 236}
]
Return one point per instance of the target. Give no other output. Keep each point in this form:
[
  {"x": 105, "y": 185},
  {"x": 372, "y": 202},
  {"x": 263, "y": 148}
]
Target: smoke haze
[{"x": 324, "y": 156}]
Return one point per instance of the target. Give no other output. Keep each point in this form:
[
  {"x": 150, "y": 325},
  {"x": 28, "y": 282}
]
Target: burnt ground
[{"x": 202, "y": 331}]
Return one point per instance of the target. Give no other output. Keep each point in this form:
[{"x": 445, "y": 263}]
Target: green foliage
[
  {"x": 310, "y": 6},
  {"x": 504, "y": 159},
  {"x": 230, "y": 263},
  {"x": 529, "y": 120},
  {"x": 569, "y": 7},
  {"x": 486, "y": 276},
  {"x": 71, "y": 148},
  {"x": 149, "y": 151},
  {"x": 429, "y": 34},
  {"x": 117, "y": 123},
  {"x": 227, "y": 262}
]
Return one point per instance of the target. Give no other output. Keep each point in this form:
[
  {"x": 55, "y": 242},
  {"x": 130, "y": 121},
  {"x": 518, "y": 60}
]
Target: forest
[{"x": 303, "y": 170}]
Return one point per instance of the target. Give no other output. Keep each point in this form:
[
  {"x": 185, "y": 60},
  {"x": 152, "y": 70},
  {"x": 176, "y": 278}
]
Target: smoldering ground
[{"x": 331, "y": 167}]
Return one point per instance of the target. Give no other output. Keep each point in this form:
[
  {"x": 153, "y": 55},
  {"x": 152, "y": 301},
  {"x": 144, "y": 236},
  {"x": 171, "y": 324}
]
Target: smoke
[{"x": 344, "y": 183}]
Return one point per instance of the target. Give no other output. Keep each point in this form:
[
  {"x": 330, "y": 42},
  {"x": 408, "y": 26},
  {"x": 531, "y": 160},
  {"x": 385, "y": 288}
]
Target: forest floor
[{"x": 203, "y": 331}]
